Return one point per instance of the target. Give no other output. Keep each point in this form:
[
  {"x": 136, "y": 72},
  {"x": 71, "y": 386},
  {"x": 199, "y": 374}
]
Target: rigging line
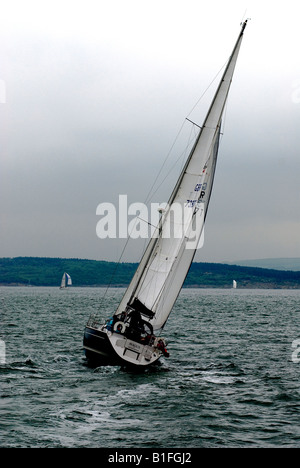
[
  {"x": 193, "y": 123},
  {"x": 150, "y": 195},
  {"x": 190, "y": 141},
  {"x": 113, "y": 274},
  {"x": 244, "y": 16},
  {"x": 117, "y": 263},
  {"x": 203, "y": 94},
  {"x": 164, "y": 163},
  {"x": 145, "y": 285},
  {"x": 147, "y": 222},
  {"x": 172, "y": 168}
]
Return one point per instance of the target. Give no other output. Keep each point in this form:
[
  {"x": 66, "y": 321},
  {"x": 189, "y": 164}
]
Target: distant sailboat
[
  {"x": 66, "y": 281},
  {"x": 133, "y": 334},
  {"x": 234, "y": 284}
]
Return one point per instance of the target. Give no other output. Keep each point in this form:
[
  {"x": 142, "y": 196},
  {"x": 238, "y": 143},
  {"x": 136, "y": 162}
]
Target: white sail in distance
[
  {"x": 66, "y": 281},
  {"x": 167, "y": 259}
]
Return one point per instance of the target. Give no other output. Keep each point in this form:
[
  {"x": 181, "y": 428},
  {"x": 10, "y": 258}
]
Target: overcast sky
[{"x": 93, "y": 94}]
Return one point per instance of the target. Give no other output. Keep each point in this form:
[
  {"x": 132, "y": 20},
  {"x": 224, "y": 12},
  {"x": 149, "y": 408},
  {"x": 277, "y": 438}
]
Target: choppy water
[{"x": 231, "y": 380}]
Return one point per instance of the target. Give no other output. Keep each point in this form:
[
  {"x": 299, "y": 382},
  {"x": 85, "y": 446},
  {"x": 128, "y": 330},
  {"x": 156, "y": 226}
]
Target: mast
[
  {"x": 218, "y": 95},
  {"x": 166, "y": 261}
]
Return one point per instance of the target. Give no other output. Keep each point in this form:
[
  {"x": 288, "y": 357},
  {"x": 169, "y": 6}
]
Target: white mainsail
[
  {"x": 65, "y": 281},
  {"x": 234, "y": 284},
  {"x": 167, "y": 259}
]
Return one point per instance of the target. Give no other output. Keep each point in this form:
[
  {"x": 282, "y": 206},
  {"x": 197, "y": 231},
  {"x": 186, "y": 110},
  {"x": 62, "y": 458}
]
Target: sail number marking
[
  {"x": 199, "y": 188},
  {"x": 191, "y": 203}
]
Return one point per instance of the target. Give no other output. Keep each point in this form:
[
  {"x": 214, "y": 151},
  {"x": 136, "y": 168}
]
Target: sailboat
[
  {"x": 234, "y": 284},
  {"x": 66, "y": 281},
  {"x": 133, "y": 335}
]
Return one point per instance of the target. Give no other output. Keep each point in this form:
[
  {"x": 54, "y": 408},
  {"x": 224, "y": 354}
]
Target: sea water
[{"x": 232, "y": 379}]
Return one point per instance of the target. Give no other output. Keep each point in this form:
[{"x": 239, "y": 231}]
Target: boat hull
[
  {"x": 97, "y": 348},
  {"x": 104, "y": 348}
]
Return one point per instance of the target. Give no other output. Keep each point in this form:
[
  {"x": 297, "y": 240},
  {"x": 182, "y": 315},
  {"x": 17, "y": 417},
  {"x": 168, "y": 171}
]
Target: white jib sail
[
  {"x": 167, "y": 259},
  {"x": 69, "y": 280}
]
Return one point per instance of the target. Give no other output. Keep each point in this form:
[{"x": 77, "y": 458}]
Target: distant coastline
[
  {"x": 284, "y": 264},
  {"x": 43, "y": 271}
]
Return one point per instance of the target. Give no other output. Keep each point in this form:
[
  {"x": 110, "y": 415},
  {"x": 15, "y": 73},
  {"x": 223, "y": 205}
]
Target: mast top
[{"x": 244, "y": 24}]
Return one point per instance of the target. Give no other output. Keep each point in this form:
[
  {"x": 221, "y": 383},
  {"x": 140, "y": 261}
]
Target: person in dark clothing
[
  {"x": 135, "y": 320},
  {"x": 138, "y": 326}
]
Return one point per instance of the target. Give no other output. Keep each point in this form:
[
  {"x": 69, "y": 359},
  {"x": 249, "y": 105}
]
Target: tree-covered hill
[{"x": 36, "y": 271}]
